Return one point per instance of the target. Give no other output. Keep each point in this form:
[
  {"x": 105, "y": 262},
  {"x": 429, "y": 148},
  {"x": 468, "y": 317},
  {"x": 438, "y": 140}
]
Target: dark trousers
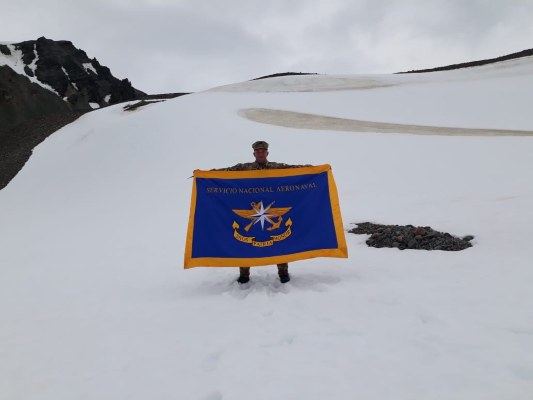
[{"x": 283, "y": 269}]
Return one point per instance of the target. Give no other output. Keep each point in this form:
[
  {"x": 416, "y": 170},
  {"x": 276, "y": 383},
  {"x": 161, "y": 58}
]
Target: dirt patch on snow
[
  {"x": 306, "y": 83},
  {"x": 291, "y": 119}
]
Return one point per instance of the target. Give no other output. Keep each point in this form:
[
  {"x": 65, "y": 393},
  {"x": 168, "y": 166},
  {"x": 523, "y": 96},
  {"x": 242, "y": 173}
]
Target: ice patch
[
  {"x": 89, "y": 66},
  {"x": 94, "y": 105},
  {"x": 107, "y": 98},
  {"x": 33, "y": 65}
]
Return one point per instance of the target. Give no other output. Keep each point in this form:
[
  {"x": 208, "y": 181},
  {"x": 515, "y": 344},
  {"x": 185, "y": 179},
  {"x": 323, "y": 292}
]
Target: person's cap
[{"x": 260, "y": 144}]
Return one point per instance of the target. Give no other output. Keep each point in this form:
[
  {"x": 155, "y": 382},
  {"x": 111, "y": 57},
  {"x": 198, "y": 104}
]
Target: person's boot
[
  {"x": 283, "y": 272},
  {"x": 244, "y": 276}
]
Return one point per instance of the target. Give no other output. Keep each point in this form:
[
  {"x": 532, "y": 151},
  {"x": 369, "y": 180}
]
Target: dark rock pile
[
  {"x": 134, "y": 106},
  {"x": 410, "y": 237}
]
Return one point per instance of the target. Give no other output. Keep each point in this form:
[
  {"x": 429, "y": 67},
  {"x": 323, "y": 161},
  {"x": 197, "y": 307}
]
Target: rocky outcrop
[
  {"x": 16, "y": 145},
  {"x": 22, "y": 100},
  {"x": 28, "y": 114},
  {"x": 72, "y": 74}
]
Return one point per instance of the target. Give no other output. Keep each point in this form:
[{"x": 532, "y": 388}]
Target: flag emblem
[{"x": 261, "y": 216}]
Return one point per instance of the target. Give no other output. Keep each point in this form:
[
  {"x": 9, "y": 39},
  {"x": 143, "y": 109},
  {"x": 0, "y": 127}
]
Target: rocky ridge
[
  {"x": 58, "y": 66},
  {"x": 477, "y": 63}
]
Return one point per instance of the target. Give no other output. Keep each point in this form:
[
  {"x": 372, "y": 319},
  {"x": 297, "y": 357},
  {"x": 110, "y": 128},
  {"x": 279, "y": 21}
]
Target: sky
[{"x": 192, "y": 45}]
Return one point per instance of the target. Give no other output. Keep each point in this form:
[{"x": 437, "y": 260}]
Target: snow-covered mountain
[
  {"x": 95, "y": 303},
  {"x": 67, "y": 71}
]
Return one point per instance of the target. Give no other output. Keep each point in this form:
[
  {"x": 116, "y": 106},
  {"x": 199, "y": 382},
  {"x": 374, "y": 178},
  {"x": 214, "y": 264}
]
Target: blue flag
[{"x": 250, "y": 218}]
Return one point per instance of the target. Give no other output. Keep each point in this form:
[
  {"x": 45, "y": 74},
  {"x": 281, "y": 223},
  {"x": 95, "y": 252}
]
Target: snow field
[{"x": 95, "y": 303}]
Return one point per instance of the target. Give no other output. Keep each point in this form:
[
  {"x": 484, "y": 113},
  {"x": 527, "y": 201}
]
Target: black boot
[
  {"x": 244, "y": 276},
  {"x": 283, "y": 272}
]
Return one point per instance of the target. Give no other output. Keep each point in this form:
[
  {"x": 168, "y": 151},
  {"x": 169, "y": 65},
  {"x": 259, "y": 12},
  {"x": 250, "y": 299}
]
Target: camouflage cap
[{"x": 260, "y": 144}]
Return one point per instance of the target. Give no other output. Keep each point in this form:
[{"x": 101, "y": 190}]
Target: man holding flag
[
  {"x": 261, "y": 162},
  {"x": 263, "y": 213}
]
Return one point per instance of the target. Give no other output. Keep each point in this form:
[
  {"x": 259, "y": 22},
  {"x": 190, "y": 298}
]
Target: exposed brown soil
[{"x": 291, "y": 119}]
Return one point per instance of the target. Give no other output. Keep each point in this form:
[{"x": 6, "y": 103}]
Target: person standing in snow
[{"x": 261, "y": 162}]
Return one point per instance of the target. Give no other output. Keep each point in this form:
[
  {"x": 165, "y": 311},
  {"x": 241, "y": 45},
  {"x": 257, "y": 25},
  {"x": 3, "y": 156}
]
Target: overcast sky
[{"x": 191, "y": 45}]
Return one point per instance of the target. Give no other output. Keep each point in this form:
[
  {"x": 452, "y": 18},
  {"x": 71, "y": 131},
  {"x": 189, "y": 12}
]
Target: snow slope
[{"x": 95, "y": 303}]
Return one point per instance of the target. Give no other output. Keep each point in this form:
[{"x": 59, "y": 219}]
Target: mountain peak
[{"x": 58, "y": 66}]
